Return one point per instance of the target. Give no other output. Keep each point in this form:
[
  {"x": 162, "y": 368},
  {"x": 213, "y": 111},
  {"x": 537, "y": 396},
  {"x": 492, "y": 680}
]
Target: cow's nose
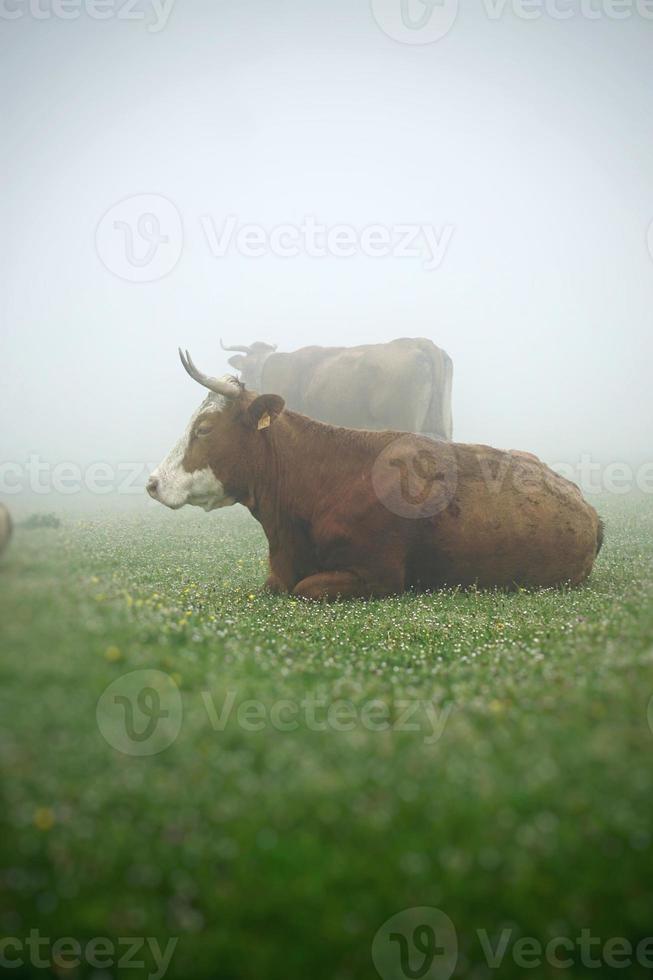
[{"x": 152, "y": 486}]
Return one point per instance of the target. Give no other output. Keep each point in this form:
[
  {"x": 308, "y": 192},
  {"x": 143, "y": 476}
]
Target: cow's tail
[
  {"x": 439, "y": 415},
  {"x": 600, "y": 535}
]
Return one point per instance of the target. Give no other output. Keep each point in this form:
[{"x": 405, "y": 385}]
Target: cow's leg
[
  {"x": 348, "y": 585},
  {"x": 274, "y": 585},
  {"x": 290, "y": 561}
]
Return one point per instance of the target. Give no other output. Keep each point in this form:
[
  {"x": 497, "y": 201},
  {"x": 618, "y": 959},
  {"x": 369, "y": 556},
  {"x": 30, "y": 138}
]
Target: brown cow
[
  {"x": 349, "y": 513},
  {"x": 403, "y": 384}
]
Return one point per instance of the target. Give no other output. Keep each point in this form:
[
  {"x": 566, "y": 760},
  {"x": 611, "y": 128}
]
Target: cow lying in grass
[{"x": 358, "y": 514}]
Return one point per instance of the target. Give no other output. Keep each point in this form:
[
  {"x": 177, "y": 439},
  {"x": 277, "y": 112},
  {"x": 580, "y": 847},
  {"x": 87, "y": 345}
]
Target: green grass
[{"x": 278, "y": 855}]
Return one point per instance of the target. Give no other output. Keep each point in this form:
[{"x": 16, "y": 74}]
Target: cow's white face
[{"x": 184, "y": 477}]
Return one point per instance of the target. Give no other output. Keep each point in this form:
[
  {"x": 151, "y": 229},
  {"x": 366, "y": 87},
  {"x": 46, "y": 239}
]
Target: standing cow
[
  {"x": 357, "y": 514},
  {"x": 403, "y": 385}
]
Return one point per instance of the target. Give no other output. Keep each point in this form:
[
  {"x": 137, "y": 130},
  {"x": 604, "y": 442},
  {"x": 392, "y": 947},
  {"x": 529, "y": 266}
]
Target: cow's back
[
  {"x": 503, "y": 518},
  {"x": 374, "y": 386},
  {"x": 404, "y": 385}
]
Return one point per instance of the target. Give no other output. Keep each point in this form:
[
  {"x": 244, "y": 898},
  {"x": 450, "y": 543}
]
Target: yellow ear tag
[{"x": 264, "y": 421}]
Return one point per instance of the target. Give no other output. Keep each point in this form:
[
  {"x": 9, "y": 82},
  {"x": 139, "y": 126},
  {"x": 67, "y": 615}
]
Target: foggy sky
[{"x": 531, "y": 139}]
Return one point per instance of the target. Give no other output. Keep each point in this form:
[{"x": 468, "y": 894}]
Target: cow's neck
[{"x": 304, "y": 463}]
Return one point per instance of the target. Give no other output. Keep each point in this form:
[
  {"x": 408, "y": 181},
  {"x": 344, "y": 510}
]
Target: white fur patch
[{"x": 176, "y": 487}]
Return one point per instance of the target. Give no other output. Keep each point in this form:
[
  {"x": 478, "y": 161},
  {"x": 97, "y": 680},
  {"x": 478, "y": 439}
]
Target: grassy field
[{"x": 485, "y": 754}]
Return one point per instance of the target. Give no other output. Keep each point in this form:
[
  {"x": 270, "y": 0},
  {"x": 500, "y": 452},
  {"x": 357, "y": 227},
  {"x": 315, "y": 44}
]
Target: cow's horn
[
  {"x": 226, "y": 388},
  {"x": 243, "y": 350}
]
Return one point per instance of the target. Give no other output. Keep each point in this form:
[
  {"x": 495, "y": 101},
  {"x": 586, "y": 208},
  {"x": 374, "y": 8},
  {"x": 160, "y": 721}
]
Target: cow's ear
[
  {"x": 264, "y": 410},
  {"x": 237, "y": 362}
]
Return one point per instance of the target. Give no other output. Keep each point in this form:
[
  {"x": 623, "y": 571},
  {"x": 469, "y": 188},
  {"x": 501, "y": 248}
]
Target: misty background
[{"x": 531, "y": 139}]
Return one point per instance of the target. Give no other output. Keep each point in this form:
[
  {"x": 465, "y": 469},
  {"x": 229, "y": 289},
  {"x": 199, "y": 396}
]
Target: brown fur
[{"x": 506, "y": 519}]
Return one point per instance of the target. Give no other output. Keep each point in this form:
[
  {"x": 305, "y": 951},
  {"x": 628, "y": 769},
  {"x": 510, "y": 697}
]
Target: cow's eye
[{"x": 203, "y": 430}]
